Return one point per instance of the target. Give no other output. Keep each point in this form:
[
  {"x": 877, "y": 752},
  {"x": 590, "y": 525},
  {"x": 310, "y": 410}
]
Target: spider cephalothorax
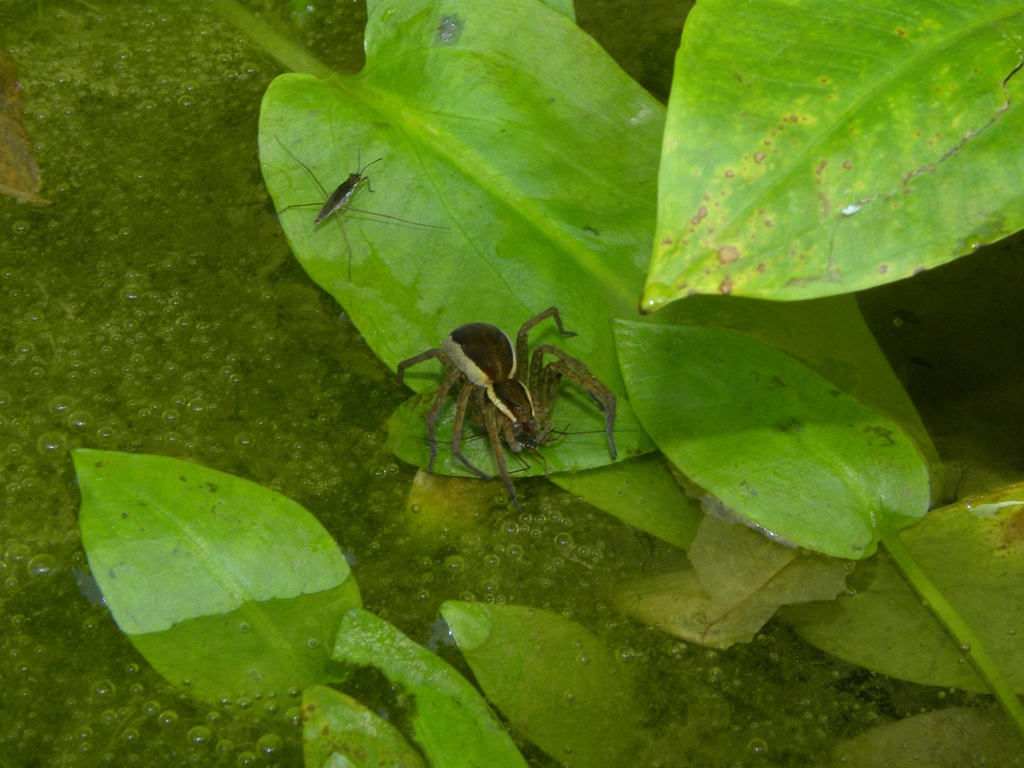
[{"x": 512, "y": 402}]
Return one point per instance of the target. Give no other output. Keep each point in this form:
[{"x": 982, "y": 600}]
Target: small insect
[
  {"x": 511, "y": 402},
  {"x": 338, "y": 201}
]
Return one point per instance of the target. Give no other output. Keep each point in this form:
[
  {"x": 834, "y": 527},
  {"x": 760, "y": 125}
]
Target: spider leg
[
  {"x": 568, "y": 366},
  {"x": 431, "y": 419},
  {"x": 525, "y": 328},
  {"x": 428, "y": 355},
  {"x": 468, "y": 389},
  {"x": 499, "y": 453},
  {"x": 545, "y": 380}
]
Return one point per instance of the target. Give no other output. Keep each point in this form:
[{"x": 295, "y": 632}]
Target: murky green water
[{"x": 153, "y": 308}]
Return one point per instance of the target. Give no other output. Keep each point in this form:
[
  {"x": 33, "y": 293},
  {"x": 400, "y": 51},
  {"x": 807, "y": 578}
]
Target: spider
[{"x": 510, "y": 401}]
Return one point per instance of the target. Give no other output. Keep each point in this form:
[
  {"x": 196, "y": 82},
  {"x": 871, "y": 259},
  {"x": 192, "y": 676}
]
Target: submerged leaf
[
  {"x": 19, "y": 172},
  {"x": 556, "y": 682},
  {"x": 190, "y": 560},
  {"x": 739, "y": 579},
  {"x": 974, "y": 553},
  {"x": 643, "y": 493},
  {"x": 813, "y": 148},
  {"x": 775, "y": 442},
  {"x": 947, "y": 738},
  {"x": 451, "y": 721},
  {"x": 334, "y": 724}
]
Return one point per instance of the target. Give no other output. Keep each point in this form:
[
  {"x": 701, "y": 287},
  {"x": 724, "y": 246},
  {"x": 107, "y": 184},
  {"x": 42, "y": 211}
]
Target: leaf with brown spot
[
  {"x": 19, "y": 172},
  {"x": 338, "y": 726},
  {"x": 885, "y": 134}
]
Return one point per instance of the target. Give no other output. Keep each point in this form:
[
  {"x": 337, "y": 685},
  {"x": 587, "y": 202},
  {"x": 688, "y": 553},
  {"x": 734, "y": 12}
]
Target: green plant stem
[
  {"x": 290, "y": 55},
  {"x": 957, "y": 627}
]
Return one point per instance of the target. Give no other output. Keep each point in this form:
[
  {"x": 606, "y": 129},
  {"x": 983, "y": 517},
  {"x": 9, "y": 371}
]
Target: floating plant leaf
[
  {"x": 407, "y": 437},
  {"x": 217, "y": 580},
  {"x": 643, "y": 493},
  {"x": 772, "y": 440},
  {"x": 484, "y": 115},
  {"x": 813, "y": 148}
]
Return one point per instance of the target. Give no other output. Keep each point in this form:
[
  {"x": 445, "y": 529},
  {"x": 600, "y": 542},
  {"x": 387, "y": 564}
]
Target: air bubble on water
[
  {"x": 269, "y": 743},
  {"x": 757, "y": 746},
  {"x": 42, "y": 564},
  {"x": 52, "y": 443},
  {"x": 61, "y": 403},
  {"x": 79, "y": 419}
]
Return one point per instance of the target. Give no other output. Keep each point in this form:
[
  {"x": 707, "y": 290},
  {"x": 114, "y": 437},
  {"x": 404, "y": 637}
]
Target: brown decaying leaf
[
  {"x": 738, "y": 580},
  {"x": 19, "y": 172}
]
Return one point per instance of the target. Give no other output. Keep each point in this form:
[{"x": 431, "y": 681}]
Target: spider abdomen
[{"x": 482, "y": 351}]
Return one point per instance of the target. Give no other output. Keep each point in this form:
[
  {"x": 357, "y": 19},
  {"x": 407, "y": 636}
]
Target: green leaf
[
  {"x": 643, "y": 493},
  {"x": 407, "y": 438},
  {"x": 535, "y": 152},
  {"x": 502, "y": 122},
  {"x": 814, "y": 149},
  {"x": 190, "y": 559},
  {"x": 266, "y": 647},
  {"x": 973, "y": 552},
  {"x": 334, "y": 725},
  {"x": 451, "y": 721},
  {"x": 556, "y": 682},
  {"x": 771, "y": 439}
]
